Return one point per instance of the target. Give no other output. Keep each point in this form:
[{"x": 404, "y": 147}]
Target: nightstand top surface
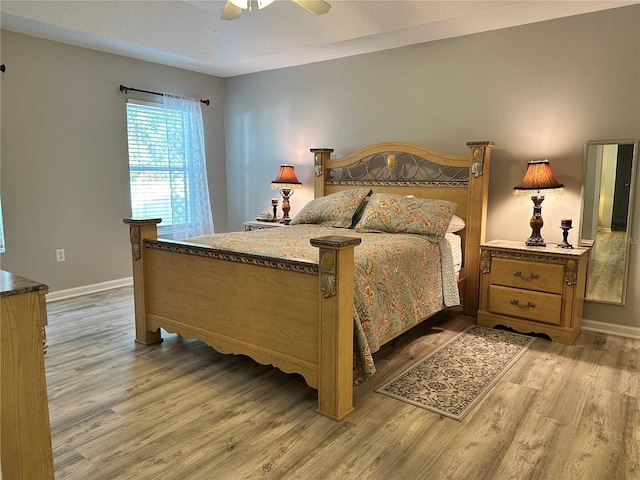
[
  {"x": 263, "y": 223},
  {"x": 520, "y": 246}
]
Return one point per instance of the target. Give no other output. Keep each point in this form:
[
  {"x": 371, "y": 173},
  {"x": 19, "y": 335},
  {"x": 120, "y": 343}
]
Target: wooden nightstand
[
  {"x": 533, "y": 289},
  {"x": 257, "y": 225}
]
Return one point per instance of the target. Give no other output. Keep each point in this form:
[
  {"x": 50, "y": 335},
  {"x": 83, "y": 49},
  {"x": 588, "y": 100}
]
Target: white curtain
[{"x": 190, "y": 204}]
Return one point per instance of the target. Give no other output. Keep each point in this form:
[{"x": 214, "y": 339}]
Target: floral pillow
[
  {"x": 336, "y": 209},
  {"x": 391, "y": 213}
]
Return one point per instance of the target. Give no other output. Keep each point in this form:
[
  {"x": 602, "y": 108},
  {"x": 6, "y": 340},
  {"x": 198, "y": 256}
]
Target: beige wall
[
  {"x": 538, "y": 91},
  {"x": 64, "y": 171}
]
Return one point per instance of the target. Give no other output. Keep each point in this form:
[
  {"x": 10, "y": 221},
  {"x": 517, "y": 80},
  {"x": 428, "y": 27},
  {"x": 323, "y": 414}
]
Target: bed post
[
  {"x": 335, "y": 362},
  {"x": 139, "y": 230},
  {"x": 320, "y": 156},
  {"x": 476, "y": 221}
]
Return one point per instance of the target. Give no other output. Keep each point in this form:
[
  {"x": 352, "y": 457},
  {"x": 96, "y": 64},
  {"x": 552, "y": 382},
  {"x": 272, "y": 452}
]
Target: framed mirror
[{"x": 609, "y": 171}]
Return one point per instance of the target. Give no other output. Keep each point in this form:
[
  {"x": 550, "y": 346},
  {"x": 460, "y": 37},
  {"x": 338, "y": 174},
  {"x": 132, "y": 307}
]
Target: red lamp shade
[
  {"x": 286, "y": 178},
  {"x": 537, "y": 177}
]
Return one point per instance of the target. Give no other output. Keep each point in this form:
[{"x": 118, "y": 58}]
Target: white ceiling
[{"x": 189, "y": 33}]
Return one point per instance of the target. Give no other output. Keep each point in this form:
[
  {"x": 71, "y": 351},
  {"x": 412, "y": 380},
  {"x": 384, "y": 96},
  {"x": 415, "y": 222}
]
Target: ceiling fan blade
[
  {"x": 319, "y": 7},
  {"x": 230, "y": 12}
]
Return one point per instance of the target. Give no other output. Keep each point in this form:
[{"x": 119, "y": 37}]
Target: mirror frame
[{"x": 628, "y": 239}]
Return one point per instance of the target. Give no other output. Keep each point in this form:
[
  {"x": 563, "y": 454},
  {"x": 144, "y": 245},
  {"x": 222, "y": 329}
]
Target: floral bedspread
[{"x": 400, "y": 279}]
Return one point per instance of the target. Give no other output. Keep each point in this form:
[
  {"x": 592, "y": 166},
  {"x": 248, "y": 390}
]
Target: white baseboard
[
  {"x": 620, "y": 330},
  {"x": 85, "y": 290}
]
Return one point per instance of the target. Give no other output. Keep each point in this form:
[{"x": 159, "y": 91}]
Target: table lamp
[
  {"x": 286, "y": 181},
  {"x": 538, "y": 179}
]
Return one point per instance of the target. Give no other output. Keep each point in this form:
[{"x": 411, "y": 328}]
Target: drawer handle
[
  {"x": 517, "y": 304},
  {"x": 532, "y": 275}
]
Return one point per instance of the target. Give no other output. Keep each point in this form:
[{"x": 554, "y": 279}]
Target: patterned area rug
[{"x": 451, "y": 380}]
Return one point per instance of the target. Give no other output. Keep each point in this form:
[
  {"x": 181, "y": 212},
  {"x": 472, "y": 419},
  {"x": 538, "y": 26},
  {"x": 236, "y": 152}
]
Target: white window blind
[{"x": 166, "y": 171}]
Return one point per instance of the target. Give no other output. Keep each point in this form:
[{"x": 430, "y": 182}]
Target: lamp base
[
  {"x": 286, "y": 206},
  {"x": 536, "y": 223},
  {"x": 535, "y": 241}
]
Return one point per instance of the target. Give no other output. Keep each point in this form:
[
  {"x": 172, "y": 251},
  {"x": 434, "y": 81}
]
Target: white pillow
[{"x": 456, "y": 224}]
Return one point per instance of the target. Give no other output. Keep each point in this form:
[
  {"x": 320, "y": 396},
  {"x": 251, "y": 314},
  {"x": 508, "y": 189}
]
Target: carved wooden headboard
[{"x": 409, "y": 169}]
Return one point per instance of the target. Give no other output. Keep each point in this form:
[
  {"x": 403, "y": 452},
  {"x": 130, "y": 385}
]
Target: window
[{"x": 167, "y": 170}]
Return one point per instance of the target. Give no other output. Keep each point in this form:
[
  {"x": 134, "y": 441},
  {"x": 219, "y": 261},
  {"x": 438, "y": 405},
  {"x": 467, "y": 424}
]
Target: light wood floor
[{"x": 179, "y": 410}]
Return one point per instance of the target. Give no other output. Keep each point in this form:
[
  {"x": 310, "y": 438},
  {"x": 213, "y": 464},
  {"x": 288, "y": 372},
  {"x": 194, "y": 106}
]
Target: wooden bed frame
[{"x": 293, "y": 314}]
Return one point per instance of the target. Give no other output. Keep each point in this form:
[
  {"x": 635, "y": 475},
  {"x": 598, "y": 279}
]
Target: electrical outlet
[{"x": 60, "y": 255}]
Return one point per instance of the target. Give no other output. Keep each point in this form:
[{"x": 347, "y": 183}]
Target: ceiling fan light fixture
[
  {"x": 243, "y": 4},
  {"x": 264, "y": 3},
  {"x": 233, "y": 8}
]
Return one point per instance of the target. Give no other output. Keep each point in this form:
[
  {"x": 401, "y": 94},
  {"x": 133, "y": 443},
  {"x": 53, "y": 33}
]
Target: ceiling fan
[{"x": 233, "y": 8}]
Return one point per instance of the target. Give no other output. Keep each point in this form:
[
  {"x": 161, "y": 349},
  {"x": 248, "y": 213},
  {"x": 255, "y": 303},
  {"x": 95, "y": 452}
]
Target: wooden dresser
[
  {"x": 25, "y": 432},
  {"x": 533, "y": 289}
]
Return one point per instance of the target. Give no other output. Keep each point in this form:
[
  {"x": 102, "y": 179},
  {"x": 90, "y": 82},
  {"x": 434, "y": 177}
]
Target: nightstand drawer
[
  {"x": 543, "y": 277},
  {"x": 538, "y": 306}
]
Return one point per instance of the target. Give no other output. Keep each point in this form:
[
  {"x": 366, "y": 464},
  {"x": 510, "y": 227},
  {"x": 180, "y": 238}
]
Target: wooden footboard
[{"x": 292, "y": 314}]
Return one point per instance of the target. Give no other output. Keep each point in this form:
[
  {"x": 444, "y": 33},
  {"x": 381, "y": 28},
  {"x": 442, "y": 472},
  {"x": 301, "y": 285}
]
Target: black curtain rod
[{"x": 131, "y": 89}]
